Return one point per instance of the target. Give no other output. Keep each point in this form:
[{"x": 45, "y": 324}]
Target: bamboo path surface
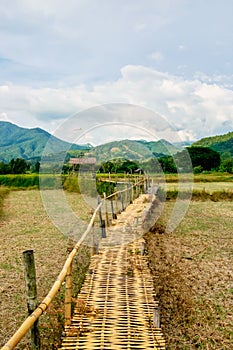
[{"x": 114, "y": 309}]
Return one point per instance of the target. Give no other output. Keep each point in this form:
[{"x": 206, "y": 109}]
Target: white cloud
[
  {"x": 86, "y": 41},
  {"x": 194, "y": 108}
]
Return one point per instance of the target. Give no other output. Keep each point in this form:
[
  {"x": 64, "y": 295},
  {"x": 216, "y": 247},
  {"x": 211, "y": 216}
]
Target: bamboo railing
[{"x": 66, "y": 272}]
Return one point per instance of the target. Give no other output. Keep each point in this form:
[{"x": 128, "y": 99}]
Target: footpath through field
[{"x": 115, "y": 307}]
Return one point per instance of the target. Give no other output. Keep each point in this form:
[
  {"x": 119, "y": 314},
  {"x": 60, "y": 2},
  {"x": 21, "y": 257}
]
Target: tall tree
[{"x": 205, "y": 157}]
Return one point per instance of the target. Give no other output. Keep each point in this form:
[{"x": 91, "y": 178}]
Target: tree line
[
  {"x": 192, "y": 159},
  {"x": 19, "y": 166},
  {"x": 202, "y": 159}
]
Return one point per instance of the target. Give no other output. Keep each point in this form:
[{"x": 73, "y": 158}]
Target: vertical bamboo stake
[
  {"x": 68, "y": 296},
  {"x": 156, "y": 317},
  {"x": 116, "y": 199},
  {"x": 126, "y": 195},
  {"x": 30, "y": 279},
  {"x": 100, "y": 214},
  {"x": 143, "y": 248},
  {"x": 102, "y": 222},
  {"x": 92, "y": 234},
  {"x": 122, "y": 202},
  {"x": 114, "y": 216},
  {"x": 106, "y": 210},
  {"x": 103, "y": 229},
  {"x": 130, "y": 194}
]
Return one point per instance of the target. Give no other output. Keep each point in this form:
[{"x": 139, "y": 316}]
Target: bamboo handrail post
[
  {"x": 130, "y": 193},
  {"x": 116, "y": 199},
  {"x": 100, "y": 213},
  {"x": 122, "y": 202},
  {"x": 126, "y": 195},
  {"x": 92, "y": 241},
  {"x": 68, "y": 296},
  {"x": 106, "y": 210},
  {"x": 103, "y": 229},
  {"x": 143, "y": 248},
  {"x": 31, "y": 290},
  {"x": 156, "y": 317},
  {"x": 30, "y": 320},
  {"x": 114, "y": 215}
]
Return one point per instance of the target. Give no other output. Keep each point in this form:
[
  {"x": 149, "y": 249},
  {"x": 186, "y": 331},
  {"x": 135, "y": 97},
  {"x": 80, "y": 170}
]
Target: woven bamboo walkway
[{"x": 114, "y": 309}]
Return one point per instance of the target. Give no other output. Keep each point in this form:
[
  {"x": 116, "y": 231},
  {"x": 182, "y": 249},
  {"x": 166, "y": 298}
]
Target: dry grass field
[
  {"x": 26, "y": 225},
  {"x": 193, "y": 270},
  {"x": 193, "y": 276},
  {"x": 207, "y": 187}
]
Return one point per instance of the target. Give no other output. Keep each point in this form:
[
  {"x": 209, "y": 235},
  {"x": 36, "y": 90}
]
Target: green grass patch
[
  {"x": 20, "y": 181},
  {"x": 211, "y": 177},
  {"x": 201, "y": 195}
]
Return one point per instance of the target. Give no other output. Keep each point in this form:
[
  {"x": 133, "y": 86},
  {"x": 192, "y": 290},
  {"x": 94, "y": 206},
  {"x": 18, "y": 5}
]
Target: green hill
[
  {"x": 17, "y": 142},
  {"x": 219, "y": 143},
  {"x": 160, "y": 148},
  {"x": 132, "y": 150}
]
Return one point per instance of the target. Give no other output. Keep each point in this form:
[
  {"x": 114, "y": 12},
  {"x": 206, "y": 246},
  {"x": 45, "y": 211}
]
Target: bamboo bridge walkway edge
[{"x": 116, "y": 307}]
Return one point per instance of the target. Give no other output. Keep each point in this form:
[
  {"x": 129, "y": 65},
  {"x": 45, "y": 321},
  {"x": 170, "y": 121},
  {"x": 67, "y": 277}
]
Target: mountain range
[
  {"x": 18, "y": 142},
  {"x": 133, "y": 150},
  {"x": 219, "y": 143}
]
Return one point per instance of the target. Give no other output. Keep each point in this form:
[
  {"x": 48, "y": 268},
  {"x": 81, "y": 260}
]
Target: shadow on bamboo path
[{"x": 116, "y": 308}]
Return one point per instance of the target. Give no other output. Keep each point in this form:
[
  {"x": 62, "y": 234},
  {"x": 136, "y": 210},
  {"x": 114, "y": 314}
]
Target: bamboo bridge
[{"x": 116, "y": 307}]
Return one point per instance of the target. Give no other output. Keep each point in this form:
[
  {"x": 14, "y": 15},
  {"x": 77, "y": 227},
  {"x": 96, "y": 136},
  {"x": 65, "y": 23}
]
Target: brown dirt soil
[
  {"x": 193, "y": 276},
  {"x": 26, "y": 225}
]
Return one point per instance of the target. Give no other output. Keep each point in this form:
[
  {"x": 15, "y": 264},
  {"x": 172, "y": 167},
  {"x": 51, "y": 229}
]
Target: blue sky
[{"x": 173, "y": 57}]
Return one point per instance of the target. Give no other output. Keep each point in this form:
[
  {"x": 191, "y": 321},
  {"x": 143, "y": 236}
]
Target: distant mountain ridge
[
  {"x": 18, "y": 142},
  {"x": 133, "y": 150},
  {"x": 219, "y": 143}
]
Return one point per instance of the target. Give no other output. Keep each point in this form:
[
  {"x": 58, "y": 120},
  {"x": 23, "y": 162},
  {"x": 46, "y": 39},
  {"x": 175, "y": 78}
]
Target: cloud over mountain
[{"x": 194, "y": 108}]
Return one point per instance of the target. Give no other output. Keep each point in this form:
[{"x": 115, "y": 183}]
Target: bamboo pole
[
  {"x": 126, "y": 195},
  {"x": 130, "y": 194},
  {"x": 106, "y": 210},
  {"x": 100, "y": 213},
  {"x": 122, "y": 201},
  {"x": 68, "y": 296},
  {"x": 30, "y": 280},
  {"x": 92, "y": 242},
  {"x": 102, "y": 222},
  {"x": 30, "y": 320},
  {"x": 132, "y": 197},
  {"x": 143, "y": 248},
  {"x": 156, "y": 317},
  {"x": 114, "y": 215}
]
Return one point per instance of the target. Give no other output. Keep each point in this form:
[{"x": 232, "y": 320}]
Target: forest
[{"x": 203, "y": 159}]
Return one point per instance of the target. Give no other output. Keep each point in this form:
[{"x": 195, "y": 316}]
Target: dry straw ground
[
  {"x": 25, "y": 225},
  {"x": 192, "y": 267},
  {"x": 193, "y": 277}
]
